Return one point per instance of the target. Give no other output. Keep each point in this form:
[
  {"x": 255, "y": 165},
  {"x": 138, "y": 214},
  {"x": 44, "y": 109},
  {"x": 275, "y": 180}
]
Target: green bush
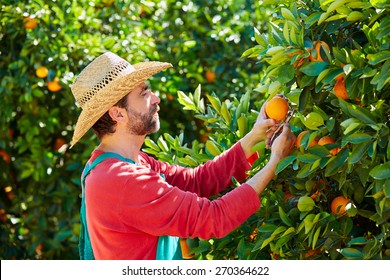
[
  {"x": 39, "y": 175},
  {"x": 296, "y": 220}
]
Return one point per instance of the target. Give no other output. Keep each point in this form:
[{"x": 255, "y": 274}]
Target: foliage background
[{"x": 40, "y": 183}]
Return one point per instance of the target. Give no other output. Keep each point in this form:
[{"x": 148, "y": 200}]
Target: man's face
[{"x": 142, "y": 111}]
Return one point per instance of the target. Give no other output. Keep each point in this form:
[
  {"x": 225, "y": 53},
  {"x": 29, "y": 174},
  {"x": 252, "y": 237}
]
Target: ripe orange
[
  {"x": 210, "y": 76},
  {"x": 310, "y": 253},
  {"x": 30, "y": 22},
  {"x": 318, "y": 186},
  {"x": 328, "y": 140},
  {"x": 277, "y": 108},
  {"x": 298, "y": 63},
  {"x": 170, "y": 96},
  {"x": 42, "y": 72},
  {"x": 54, "y": 85},
  {"x": 3, "y": 215},
  {"x": 339, "y": 204},
  {"x": 185, "y": 249},
  {"x": 339, "y": 88},
  {"x": 5, "y": 156},
  {"x": 299, "y": 138},
  {"x": 253, "y": 235},
  {"x": 316, "y": 53},
  {"x": 59, "y": 143}
]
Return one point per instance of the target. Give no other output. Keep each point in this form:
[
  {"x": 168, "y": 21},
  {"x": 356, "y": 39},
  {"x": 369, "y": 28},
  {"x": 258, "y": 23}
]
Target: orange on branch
[
  {"x": 277, "y": 108},
  {"x": 59, "y": 143},
  {"x": 315, "y": 55},
  {"x": 328, "y": 140},
  {"x": 339, "y": 88},
  {"x": 42, "y": 72},
  {"x": 30, "y": 22},
  {"x": 6, "y": 157},
  {"x": 299, "y": 138},
  {"x": 338, "y": 205},
  {"x": 185, "y": 249},
  {"x": 210, "y": 76},
  {"x": 54, "y": 85}
]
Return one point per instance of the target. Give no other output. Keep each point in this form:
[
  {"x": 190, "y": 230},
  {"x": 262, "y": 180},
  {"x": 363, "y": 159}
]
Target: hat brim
[{"x": 111, "y": 94}]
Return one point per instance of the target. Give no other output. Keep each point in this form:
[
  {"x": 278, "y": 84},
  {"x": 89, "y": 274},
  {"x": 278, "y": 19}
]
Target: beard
[{"x": 143, "y": 124}]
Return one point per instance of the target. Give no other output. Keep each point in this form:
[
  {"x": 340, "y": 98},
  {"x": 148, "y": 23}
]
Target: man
[{"x": 136, "y": 207}]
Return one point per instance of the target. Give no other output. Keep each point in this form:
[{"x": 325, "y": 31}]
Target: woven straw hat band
[{"x": 105, "y": 81}]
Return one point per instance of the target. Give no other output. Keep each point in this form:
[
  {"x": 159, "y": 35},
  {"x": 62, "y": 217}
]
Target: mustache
[{"x": 154, "y": 109}]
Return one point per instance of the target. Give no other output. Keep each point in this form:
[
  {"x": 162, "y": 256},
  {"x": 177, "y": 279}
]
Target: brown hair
[{"x": 106, "y": 125}]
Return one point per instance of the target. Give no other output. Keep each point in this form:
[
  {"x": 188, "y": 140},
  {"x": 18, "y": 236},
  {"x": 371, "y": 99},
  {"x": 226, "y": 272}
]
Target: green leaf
[
  {"x": 267, "y": 228},
  {"x": 377, "y": 58},
  {"x": 312, "y": 121},
  {"x": 357, "y": 112},
  {"x": 335, "y": 165},
  {"x": 225, "y": 113},
  {"x": 380, "y": 4},
  {"x": 283, "y": 216},
  {"x": 242, "y": 125},
  {"x": 260, "y": 39},
  {"x": 212, "y": 148},
  {"x": 357, "y": 138},
  {"x": 308, "y": 158},
  {"x": 314, "y": 68},
  {"x": 351, "y": 253},
  {"x": 287, "y": 14},
  {"x": 215, "y": 102},
  {"x": 357, "y": 241},
  {"x": 305, "y": 204},
  {"x": 284, "y": 163},
  {"x": 315, "y": 237},
  {"x": 358, "y": 151},
  {"x": 381, "y": 171},
  {"x": 305, "y": 171}
]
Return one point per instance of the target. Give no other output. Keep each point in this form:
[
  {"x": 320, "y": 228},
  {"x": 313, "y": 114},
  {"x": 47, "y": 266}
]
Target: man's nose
[{"x": 155, "y": 99}]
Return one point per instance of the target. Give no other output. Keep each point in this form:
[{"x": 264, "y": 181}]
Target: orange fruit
[
  {"x": 328, "y": 140},
  {"x": 318, "y": 187},
  {"x": 3, "y": 215},
  {"x": 298, "y": 63},
  {"x": 253, "y": 235},
  {"x": 338, "y": 205},
  {"x": 310, "y": 253},
  {"x": 339, "y": 88},
  {"x": 299, "y": 138},
  {"x": 54, "y": 85},
  {"x": 42, "y": 72},
  {"x": 185, "y": 249},
  {"x": 210, "y": 76},
  {"x": 30, "y": 22},
  {"x": 5, "y": 156},
  {"x": 316, "y": 54},
  {"x": 59, "y": 143},
  {"x": 277, "y": 108}
]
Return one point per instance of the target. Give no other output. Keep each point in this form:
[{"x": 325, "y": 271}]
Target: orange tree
[
  {"x": 44, "y": 44},
  {"x": 329, "y": 200}
]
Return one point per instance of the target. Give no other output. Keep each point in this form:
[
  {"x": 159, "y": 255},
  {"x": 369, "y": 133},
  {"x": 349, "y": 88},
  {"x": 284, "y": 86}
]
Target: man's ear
[{"x": 117, "y": 114}]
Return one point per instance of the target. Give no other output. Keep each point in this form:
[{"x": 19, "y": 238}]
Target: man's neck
[{"x": 128, "y": 147}]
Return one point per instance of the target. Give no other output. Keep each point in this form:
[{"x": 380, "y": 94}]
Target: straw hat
[{"x": 104, "y": 82}]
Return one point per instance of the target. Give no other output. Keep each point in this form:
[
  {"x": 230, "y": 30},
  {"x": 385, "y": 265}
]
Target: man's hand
[
  {"x": 283, "y": 143},
  {"x": 262, "y": 129},
  {"x": 281, "y": 147}
]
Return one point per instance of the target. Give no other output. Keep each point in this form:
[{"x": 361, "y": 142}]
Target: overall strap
[{"x": 85, "y": 247}]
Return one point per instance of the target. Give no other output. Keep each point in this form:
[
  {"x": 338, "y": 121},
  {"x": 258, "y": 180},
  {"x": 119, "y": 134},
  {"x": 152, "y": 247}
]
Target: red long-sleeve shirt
[{"x": 129, "y": 206}]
